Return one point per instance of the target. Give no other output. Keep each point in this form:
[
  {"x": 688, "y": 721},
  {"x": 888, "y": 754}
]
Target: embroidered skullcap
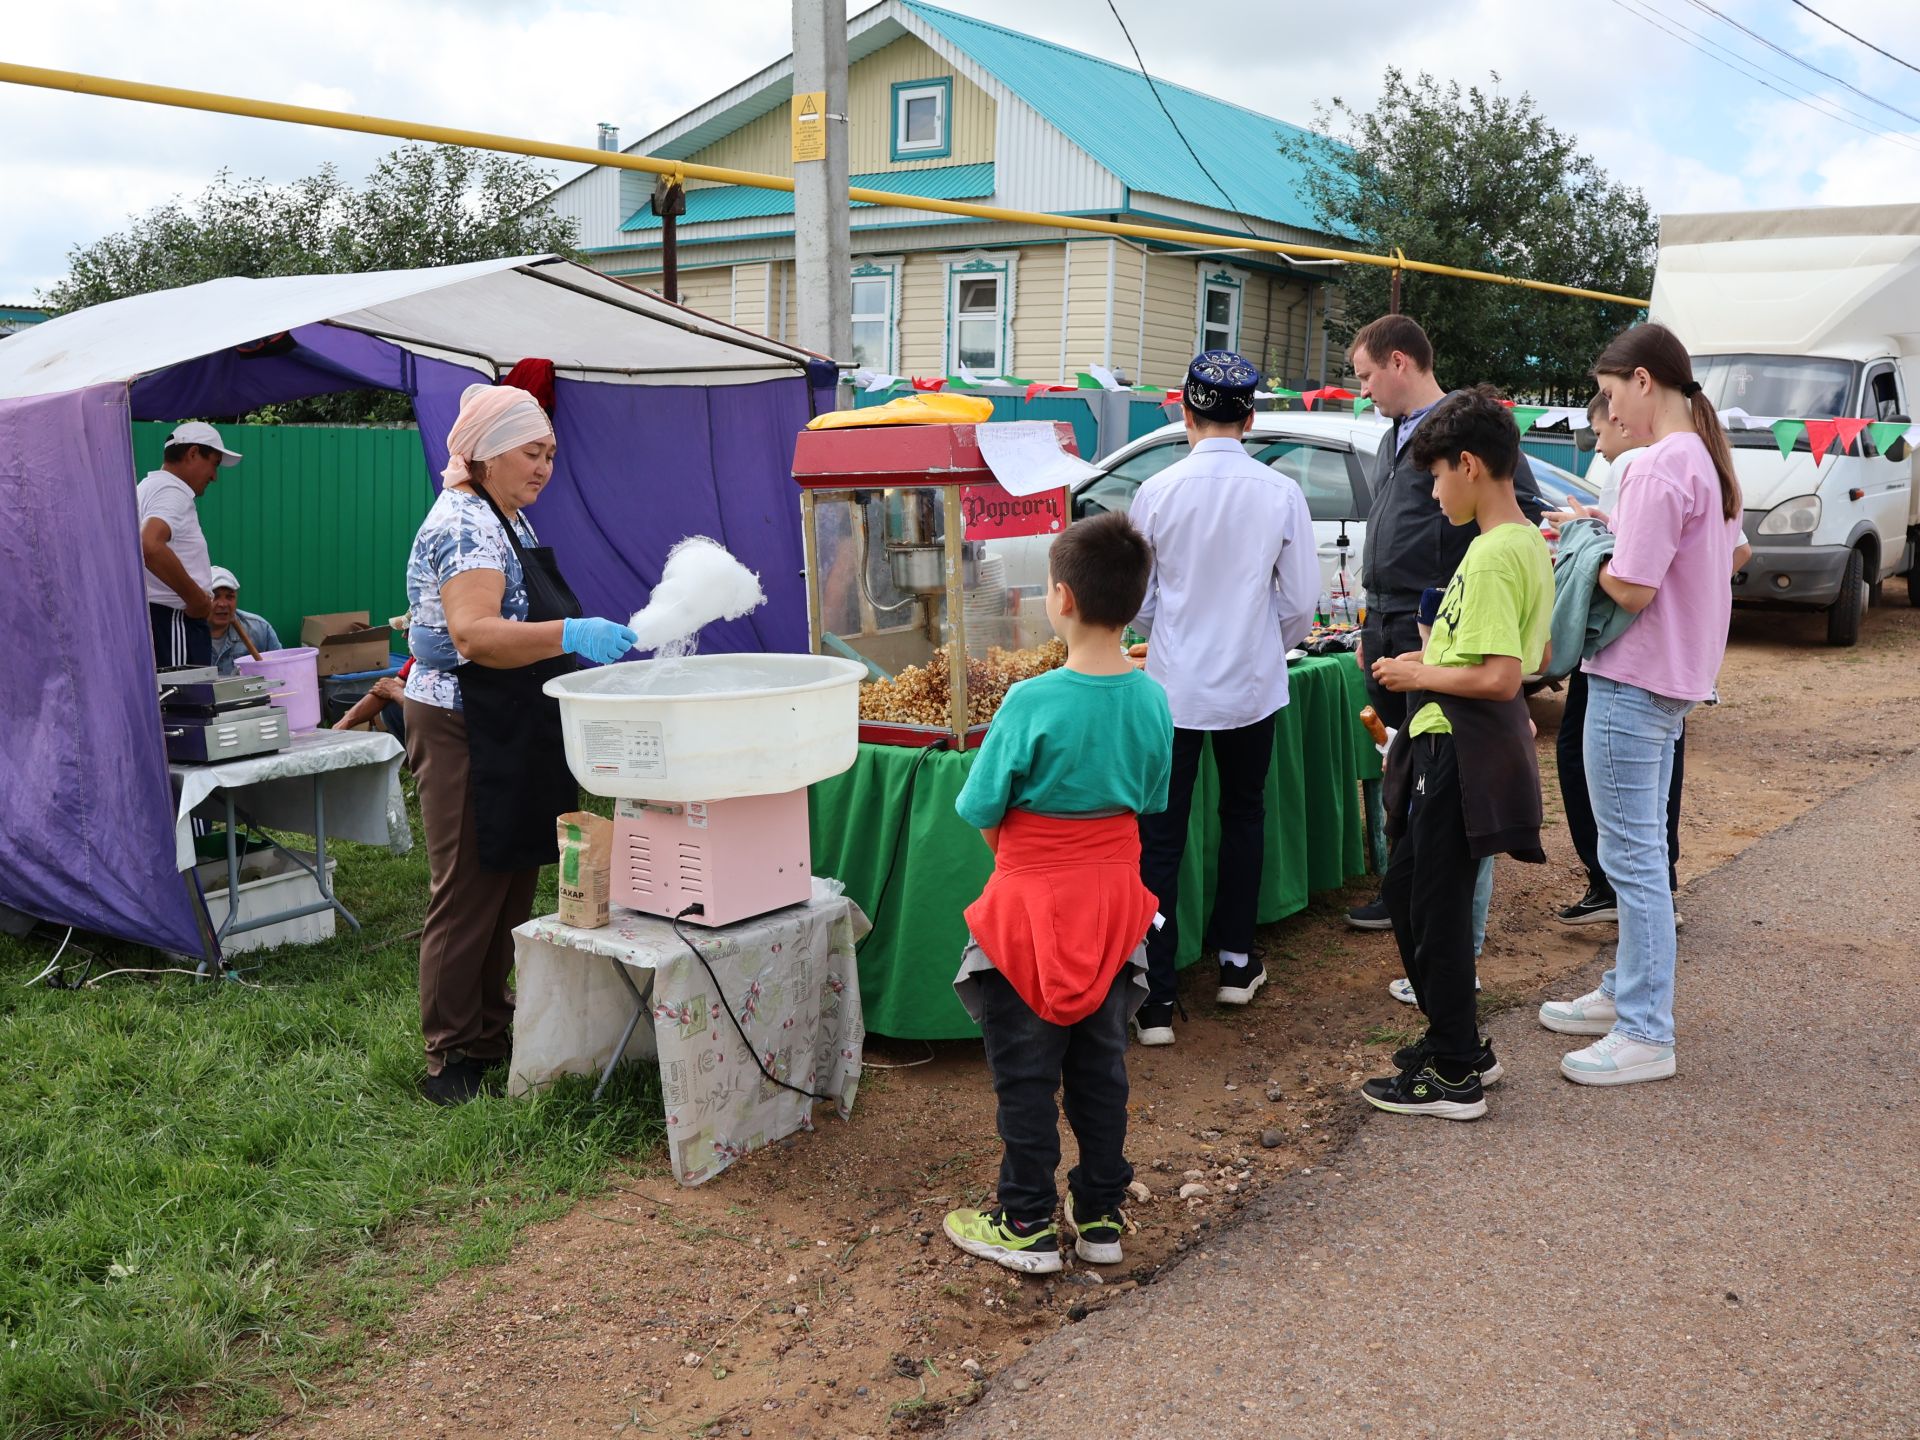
[{"x": 1220, "y": 385}]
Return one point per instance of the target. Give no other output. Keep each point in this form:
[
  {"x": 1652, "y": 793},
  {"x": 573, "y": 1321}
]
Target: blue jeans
[
  {"x": 1629, "y": 740},
  {"x": 1482, "y": 899}
]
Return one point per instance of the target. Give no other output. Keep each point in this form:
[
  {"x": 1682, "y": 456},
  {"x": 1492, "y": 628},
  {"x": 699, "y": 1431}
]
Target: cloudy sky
[{"x": 1667, "y": 93}]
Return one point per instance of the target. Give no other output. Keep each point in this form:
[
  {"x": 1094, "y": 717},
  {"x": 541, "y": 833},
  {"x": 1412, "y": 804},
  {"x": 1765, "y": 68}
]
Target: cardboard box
[{"x": 346, "y": 642}]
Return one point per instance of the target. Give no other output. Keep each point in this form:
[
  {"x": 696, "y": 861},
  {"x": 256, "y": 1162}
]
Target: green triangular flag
[
  {"x": 1286, "y": 394},
  {"x": 954, "y": 382},
  {"x": 1786, "y": 433},
  {"x": 1086, "y": 382},
  {"x": 1019, "y": 380},
  {"x": 1361, "y": 404},
  {"x": 1525, "y": 415},
  {"x": 1886, "y": 432}
]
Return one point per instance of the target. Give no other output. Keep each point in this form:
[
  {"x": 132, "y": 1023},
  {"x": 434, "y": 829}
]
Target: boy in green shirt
[{"x": 1491, "y": 630}]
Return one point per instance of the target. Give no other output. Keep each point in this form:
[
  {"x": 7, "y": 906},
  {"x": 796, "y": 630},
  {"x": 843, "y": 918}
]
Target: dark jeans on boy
[
  {"x": 1087, "y": 1061},
  {"x": 1569, "y": 749},
  {"x": 1429, "y": 893},
  {"x": 1242, "y": 758}
]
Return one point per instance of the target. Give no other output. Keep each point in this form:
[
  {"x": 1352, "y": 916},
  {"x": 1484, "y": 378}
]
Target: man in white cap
[
  {"x": 232, "y": 627},
  {"x": 179, "y": 575}
]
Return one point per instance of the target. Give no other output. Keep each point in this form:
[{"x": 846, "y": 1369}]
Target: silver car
[{"x": 1328, "y": 456}]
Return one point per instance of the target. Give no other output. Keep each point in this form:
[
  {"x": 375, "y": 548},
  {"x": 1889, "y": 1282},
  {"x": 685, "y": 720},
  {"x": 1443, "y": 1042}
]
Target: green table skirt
[{"x": 1315, "y": 841}]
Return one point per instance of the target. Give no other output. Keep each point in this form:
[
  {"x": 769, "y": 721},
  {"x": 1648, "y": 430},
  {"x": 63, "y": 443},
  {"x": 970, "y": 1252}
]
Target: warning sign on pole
[{"x": 810, "y": 126}]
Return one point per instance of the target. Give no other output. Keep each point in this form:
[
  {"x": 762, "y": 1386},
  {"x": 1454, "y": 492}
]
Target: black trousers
[
  {"x": 179, "y": 639},
  {"x": 1243, "y": 757},
  {"x": 1087, "y": 1062},
  {"x": 1429, "y": 893},
  {"x": 1569, "y": 748},
  {"x": 1385, "y": 634}
]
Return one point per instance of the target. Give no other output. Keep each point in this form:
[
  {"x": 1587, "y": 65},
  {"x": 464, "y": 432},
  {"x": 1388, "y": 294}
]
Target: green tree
[
  {"x": 421, "y": 206},
  {"x": 1477, "y": 179}
]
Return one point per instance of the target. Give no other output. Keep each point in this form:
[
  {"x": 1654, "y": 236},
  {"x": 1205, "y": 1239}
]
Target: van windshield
[{"x": 1796, "y": 387}]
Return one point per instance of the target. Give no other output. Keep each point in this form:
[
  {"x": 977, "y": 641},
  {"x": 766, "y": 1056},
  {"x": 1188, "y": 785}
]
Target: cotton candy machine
[{"x": 708, "y": 758}]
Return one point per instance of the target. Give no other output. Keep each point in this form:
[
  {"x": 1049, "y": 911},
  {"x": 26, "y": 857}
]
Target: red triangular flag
[
  {"x": 1820, "y": 436},
  {"x": 1041, "y": 387},
  {"x": 1849, "y": 432},
  {"x": 920, "y": 384}
]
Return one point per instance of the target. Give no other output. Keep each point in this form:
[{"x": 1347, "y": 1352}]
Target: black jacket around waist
[
  {"x": 1411, "y": 546},
  {"x": 1499, "y": 774}
]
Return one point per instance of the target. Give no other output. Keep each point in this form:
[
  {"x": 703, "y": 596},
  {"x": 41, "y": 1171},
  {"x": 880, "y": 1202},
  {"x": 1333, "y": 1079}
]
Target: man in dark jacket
[{"x": 1411, "y": 546}]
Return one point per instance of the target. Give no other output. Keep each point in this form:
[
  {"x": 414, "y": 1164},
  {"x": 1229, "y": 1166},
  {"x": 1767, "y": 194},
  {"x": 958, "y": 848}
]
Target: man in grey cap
[
  {"x": 179, "y": 575},
  {"x": 231, "y": 626},
  {"x": 1235, "y": 575}
]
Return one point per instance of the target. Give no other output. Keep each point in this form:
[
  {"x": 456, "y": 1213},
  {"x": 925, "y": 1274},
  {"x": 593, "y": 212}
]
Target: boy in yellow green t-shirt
[{"x": 1491, "y": 630}]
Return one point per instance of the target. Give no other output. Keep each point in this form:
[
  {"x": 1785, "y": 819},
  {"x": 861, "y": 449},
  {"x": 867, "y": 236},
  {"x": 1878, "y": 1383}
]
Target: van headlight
[{"x": 1798, "y": 516}]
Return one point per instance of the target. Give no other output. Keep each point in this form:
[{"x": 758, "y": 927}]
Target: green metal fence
[{"x": 315, "y": 519}]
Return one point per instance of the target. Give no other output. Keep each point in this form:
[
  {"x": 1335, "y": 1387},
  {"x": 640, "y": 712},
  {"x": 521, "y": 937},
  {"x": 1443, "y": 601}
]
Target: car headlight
[{"x": 1798, "y": 516}]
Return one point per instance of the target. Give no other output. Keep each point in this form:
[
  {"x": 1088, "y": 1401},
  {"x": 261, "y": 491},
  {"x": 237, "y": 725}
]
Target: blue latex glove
[{"x": 601, "y": 641}]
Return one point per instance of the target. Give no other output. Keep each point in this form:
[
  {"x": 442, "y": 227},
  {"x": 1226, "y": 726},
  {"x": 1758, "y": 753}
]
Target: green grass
[{"x": 210, "y": 1193}]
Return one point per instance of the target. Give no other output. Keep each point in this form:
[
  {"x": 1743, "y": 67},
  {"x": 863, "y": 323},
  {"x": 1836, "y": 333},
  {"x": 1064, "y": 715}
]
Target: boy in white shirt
[{"x": 1235, "y": 577}]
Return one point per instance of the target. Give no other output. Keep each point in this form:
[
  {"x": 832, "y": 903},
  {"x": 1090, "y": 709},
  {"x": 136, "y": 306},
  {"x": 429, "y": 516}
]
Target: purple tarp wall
[{"x": 86, "y": 812}]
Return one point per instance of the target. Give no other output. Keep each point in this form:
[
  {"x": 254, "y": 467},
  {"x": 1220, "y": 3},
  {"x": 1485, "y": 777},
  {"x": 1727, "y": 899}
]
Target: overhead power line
[
  {"x": 1747, "y": 70},
  {"x": 1804, "y": 63},
  {"x": 1861, "y": 39},
  {"x": 1145, "y": 75}
]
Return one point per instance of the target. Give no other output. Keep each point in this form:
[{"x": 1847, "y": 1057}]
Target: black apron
[{"x": 516, "y": 757}]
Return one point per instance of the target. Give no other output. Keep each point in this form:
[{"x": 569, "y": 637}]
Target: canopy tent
[{"x": 669, "y": 424}]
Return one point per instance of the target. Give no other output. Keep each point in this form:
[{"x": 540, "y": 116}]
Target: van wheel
[{"x": 1843, "y": 616}]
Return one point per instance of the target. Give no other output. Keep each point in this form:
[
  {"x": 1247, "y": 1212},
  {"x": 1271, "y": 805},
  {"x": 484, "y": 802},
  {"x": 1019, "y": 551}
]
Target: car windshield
[
  {"x": 1775, "y": 386},
  {"x": 1555, "y": 484}
]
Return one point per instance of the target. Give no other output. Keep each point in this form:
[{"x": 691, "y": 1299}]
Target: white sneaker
[
  {"x": 1615, "y": 1060},
  {"x": 1402, "y": 990},
  {"x": 1591, "y": 1014},
  {"x": 1153, "y": 1024}
]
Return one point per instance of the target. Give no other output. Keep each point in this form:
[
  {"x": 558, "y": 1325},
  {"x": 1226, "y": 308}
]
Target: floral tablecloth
[{"x": 790, "y": 977}]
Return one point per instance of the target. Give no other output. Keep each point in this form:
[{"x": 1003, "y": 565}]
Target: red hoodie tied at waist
[{"x": 1063, "y": 909}]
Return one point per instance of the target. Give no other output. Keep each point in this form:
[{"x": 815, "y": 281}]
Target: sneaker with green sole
[
  {"x": 1096, "y": 1233},
  {"x": 1030, "y": 1249}
]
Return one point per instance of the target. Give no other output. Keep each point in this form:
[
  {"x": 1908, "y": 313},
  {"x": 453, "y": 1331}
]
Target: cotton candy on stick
[{"x": 700, "y": 584}]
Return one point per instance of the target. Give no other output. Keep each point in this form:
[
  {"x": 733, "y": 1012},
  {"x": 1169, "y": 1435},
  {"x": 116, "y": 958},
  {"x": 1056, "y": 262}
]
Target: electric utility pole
[{"x": 821, "y": 247}]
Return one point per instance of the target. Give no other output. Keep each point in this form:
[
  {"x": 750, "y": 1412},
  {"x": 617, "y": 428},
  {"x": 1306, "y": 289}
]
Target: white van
[{"x": 1807, "y": 314}]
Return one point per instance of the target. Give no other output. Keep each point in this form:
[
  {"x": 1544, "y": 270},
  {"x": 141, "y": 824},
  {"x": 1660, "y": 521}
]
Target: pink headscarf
[{"x": 493, "y": 419}]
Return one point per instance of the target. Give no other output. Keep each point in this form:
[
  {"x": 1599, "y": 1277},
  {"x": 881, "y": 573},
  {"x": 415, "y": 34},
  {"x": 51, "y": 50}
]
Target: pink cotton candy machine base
[{"x": 720, "y": 860}]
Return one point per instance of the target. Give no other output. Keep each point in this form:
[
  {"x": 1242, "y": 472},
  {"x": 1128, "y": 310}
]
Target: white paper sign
[{"x": 1026, "y": 458}]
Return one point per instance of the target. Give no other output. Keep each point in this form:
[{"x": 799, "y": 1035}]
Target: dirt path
[{"x": 807, "y": 1291}]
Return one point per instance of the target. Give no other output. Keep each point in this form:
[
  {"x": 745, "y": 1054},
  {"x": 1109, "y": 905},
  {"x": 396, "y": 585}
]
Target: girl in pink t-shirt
[{"x": 1677, "y": 544}]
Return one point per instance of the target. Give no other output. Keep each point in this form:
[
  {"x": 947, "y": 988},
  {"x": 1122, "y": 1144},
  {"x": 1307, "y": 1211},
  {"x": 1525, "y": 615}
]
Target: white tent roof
[{"x": 490, "y": 314}]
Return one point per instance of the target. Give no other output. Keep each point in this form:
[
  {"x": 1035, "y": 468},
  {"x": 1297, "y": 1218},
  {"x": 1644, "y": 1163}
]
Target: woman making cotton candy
[{"x": 492, "y": 620}]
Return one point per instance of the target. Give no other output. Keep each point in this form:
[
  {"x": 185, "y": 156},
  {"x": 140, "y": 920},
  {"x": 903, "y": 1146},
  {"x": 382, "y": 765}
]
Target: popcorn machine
[{"x": 903, "y": 528}]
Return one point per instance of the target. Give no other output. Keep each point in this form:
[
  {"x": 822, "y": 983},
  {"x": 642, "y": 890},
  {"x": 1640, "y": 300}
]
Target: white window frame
[
  {"x": 941, "y": 92},
  {"x": 979, "y": 265},
  {"x": 1234, "y": 286},
  {"x": 889, "y": 271}
]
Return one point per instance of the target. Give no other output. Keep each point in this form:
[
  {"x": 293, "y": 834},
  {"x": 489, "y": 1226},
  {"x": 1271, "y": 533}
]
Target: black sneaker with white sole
[
  {"x": 1153, "y": 1024},
  {"x": 1096, "y": 1232},
  {"x": 1371, "y": 916},
  {"x": 1239, "y": 982},
  {"x": 1416, "y": 1056},
  {"x": 1427, "y": 1092},
  {"x": 1596, "y": 907}
]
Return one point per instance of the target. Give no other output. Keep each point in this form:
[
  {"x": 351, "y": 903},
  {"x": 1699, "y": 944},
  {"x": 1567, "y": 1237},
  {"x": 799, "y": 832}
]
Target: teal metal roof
[
  {"x": 1109, "y": 111},
  {"x": 22, "y": 314},
  {"x": 747, "y": 202}
]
